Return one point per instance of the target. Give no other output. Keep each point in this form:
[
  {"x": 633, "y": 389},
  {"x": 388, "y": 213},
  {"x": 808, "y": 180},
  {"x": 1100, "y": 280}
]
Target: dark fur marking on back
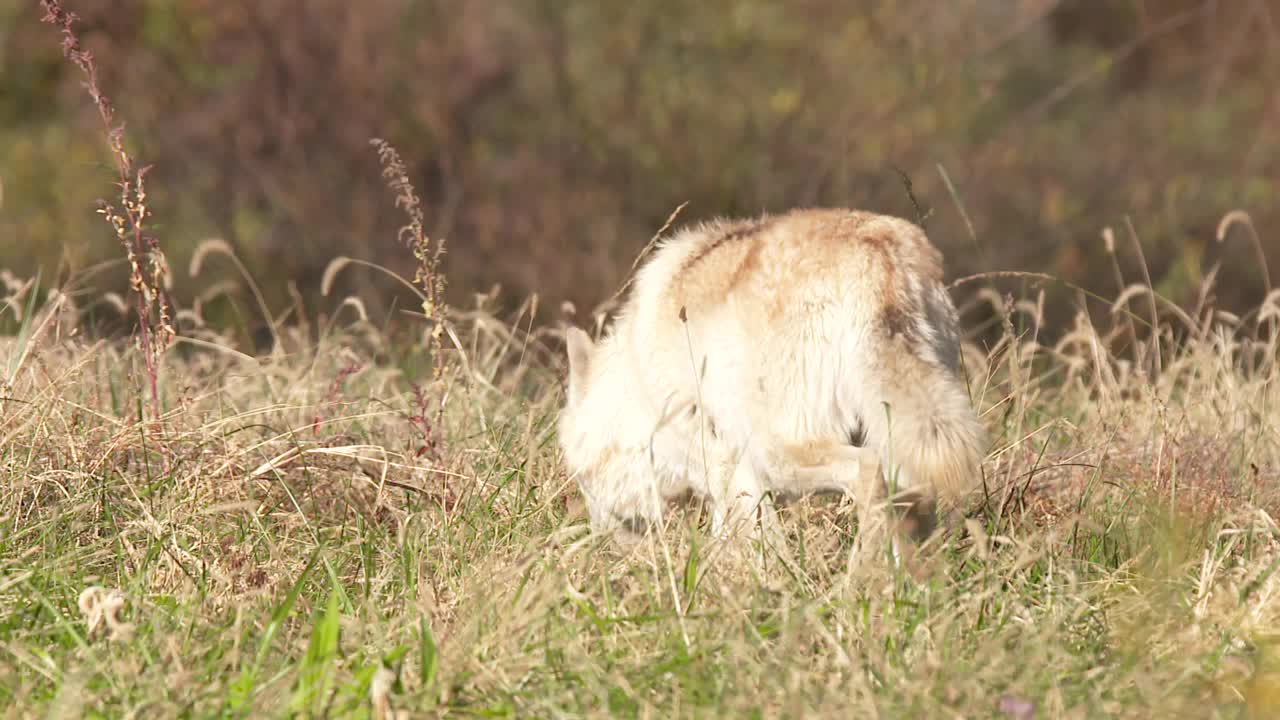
[
  {"x": 897, "y": 321},
  {"x": 942, "y": 317},
  {"x": 911, "y": 327},
  {"x": 737, "y": 231},
  {"x": 881, "y": 243},
  {"x": 927, "y": 327},
  {"x": 894, "y": 318}
]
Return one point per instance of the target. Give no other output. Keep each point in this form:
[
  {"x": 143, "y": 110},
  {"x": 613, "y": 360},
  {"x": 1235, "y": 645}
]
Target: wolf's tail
[{"x": 915, "y": 410}]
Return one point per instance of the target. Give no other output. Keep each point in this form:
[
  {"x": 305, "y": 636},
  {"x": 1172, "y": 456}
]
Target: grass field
[
  {"x": 362, "y": 525},
  {"x": 311, "y": 534}
]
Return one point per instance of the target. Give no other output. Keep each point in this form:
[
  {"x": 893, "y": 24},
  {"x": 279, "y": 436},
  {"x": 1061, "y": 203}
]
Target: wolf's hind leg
[{"x": 824, "y": 466}]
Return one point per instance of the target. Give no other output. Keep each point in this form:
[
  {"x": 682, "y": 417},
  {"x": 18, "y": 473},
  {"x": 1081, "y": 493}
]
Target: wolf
[{"x": 812, "y": 351}]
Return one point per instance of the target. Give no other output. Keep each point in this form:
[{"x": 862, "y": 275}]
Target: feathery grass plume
[{"x": 148, "y": 269}]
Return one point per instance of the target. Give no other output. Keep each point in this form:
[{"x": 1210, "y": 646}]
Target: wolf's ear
[{"x": 580, "y": 346}]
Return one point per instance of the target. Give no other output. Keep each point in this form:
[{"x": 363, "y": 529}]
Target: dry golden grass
[{"x": 304, "y": 533}]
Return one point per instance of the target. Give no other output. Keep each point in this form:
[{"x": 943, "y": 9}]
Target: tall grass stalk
[{"x": 148, "y": 269}]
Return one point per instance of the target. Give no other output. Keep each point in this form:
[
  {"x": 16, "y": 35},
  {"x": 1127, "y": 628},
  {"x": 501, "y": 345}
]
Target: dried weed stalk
[
  {"x": 148, "y": 269},
  {"x": 427, "y": 275},
  {"x": 429, "y": 279}
]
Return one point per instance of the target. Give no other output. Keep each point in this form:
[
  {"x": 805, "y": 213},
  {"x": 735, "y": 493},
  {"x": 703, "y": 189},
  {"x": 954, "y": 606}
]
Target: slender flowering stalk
[
  {"x": 429, "y": 278},
  {"x": 414, "y": 236},
  {"x": 148, "y": 269}
]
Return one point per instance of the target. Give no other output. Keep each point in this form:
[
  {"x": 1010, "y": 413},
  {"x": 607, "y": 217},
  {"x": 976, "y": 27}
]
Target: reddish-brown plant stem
[{"x": 155, "y": 331}]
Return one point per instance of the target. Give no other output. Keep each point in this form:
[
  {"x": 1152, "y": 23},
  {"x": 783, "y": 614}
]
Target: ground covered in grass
[{"x": 335, "y": 530}]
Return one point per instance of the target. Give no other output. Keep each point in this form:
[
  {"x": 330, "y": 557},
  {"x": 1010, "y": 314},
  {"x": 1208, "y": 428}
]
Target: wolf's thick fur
[{"x": 811, "y": 351}]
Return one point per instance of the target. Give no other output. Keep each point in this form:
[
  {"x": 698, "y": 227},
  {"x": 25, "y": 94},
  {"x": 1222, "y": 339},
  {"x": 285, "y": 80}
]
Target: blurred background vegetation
[{"x": 551, "y": 138}]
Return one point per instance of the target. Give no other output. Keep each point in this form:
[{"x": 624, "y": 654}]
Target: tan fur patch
[
  {"x": 722, "y": 263},
  {"x": 750, "y": 263}
]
